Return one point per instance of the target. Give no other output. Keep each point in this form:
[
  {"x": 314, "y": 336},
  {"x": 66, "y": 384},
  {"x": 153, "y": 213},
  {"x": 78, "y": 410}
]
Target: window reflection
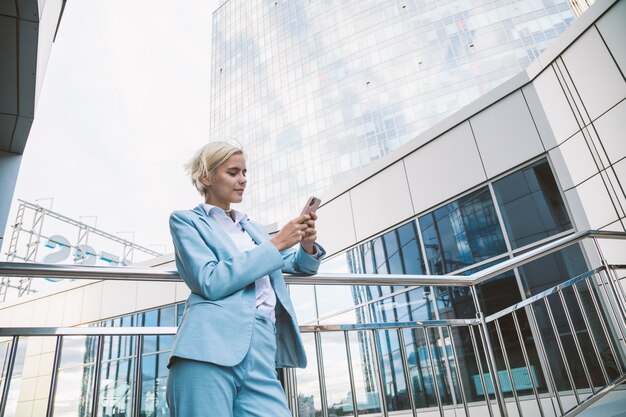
[
  {"x": 531, "y": 204},
  {"x": 462, "y": 233},
  {"x": 309, "y": 403}
]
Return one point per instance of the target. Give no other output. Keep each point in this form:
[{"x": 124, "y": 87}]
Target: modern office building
[
  {"x": 506, "y": 180},
  {"x": 316, "y": 90}
]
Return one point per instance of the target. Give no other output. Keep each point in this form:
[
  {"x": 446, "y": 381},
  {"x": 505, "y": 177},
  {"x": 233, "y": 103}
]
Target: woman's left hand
[{"x": 310, "y": 235}]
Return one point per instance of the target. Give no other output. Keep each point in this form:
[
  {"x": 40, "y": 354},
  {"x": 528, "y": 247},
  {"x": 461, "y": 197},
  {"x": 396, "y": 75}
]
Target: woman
[{"x": 239, "y": 323}]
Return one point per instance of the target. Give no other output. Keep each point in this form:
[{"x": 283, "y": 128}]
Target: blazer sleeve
[
  {"x": 214, "y": 278},
  {"x": 297, "y": 261}
]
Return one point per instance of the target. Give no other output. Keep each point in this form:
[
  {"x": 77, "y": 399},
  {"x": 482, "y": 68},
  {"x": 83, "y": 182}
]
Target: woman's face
[{"x": 228, "y": 183}]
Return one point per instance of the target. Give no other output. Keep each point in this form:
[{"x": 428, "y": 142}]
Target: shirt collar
[{"x": 215, "y": 211}]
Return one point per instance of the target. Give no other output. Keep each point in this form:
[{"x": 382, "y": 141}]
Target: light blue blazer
[{"x": 219, "y": 314}]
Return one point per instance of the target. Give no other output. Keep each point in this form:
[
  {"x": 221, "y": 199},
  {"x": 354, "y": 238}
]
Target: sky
[{"x": 124, "y": 104}]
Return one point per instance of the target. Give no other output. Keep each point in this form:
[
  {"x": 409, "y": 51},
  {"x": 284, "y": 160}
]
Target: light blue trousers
[{"x": 250, "y": 389}]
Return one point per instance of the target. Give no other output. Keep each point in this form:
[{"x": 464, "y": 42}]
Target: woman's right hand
[{"x": 291, "y": 233}]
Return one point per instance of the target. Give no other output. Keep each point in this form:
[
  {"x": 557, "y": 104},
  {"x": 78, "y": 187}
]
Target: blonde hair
[{"x": 207, "y": 159}]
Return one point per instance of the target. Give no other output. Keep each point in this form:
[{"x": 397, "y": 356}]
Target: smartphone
[{"x": 312, "y": 204}]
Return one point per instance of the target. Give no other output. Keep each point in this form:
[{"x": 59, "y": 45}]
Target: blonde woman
[{"x": 239, "y": 323}]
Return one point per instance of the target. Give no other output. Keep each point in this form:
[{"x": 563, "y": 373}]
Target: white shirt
[{"x": 265, "y": 296}]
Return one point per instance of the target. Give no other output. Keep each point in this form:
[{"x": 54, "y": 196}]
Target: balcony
[{"x": 555, "y": 353}]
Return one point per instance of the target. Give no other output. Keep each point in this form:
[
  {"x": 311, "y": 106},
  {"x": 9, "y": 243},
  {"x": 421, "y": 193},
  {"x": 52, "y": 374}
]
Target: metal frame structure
[
  {"x": 35, "y": 237},
  {"x": 602, "y": 283}
]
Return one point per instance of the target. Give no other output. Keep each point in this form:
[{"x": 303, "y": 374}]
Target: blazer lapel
[{"x": 216, "y": 229}]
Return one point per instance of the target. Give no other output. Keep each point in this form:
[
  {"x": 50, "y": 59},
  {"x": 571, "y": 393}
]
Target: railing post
[
  {"x": 346, "y": 338},
  {"x": 53, "y": 377},
  {"x": 10, "y": 363},
  {"x": 138, "y": 377},
  {"x": 490, "y": 354},
  {"x": 320, "y": 373}
]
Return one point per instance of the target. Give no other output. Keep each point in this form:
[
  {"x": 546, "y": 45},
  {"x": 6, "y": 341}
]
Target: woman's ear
[{"x": 205, "y": 181}]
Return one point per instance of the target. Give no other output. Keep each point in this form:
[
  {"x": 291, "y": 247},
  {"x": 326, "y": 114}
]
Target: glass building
[{"x": 318, "y": 89}]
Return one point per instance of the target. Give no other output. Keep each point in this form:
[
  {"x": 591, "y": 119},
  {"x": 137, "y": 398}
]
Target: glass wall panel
[
  {"x": 309, "y": 399},
  {"x": 336, "y": 374},
  {"x": 531, "y": 204},
  {"x": 116, "y": 389},
  {"x": 462, "y": 233},
  {"x": 153, "y": 384},
  {"x": 365, "y": 373},
  {"x": 10, "y": 409},
  {"x": 395, "y": 388},
  {"x": 75, "y": 377}
]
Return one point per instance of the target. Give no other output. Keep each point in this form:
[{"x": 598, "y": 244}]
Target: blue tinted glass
[
  {"x": 531, "y": 204},
  {"x": 462, "y": 233}
]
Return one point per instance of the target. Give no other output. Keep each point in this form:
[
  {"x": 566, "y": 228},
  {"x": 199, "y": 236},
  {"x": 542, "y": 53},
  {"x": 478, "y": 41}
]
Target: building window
[
  {"x": 531, "y": 205},
  {"x": 462, "y": 233}
]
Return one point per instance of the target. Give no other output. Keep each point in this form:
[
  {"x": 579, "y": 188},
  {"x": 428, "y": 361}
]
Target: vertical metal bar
[
  {"x": 53, "y": 377},
  {"x": 507, "y": 365},
  {"x": 320, "y": 373},
  {"x": 432, "y": 370},
  {"x": 576, "y": 342},
  {"x": 447, "y": 365},
  {"x": 9, "y": 374},
  {"x": 355, "y": 407},
  {"x": 583, "y": 312},
  {"x": 491, "y": 363},
  {"x": 407, "y": 373},
  {"x": 541, "y": 350},
  {"x": 621, "y": 301},
  {"x": 481, "y": 372},
  {"x": 611, "y": 308},
  {"x": 138, "y": 377},
  {"x": 379, "y": 371},
  {"x": 561, "y": 350},
  {"x": 527, "y": 362},
  {"x": 458, "y": 371},
  {"x": 96, "y": 376},
  {"x": 291, "y": 387},
  {"x": 609, "y": 339}
]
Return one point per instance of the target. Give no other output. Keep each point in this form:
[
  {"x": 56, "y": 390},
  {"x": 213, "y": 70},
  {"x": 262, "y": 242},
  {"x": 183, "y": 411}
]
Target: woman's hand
[
  {"x": 292, "y": 233},
  {"x": 310, "y": 235}
]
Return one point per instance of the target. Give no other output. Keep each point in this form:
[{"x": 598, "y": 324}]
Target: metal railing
[{"x": 581, "y": 328}]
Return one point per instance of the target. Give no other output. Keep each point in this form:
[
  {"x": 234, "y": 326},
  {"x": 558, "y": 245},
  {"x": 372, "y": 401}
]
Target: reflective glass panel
[
  {"x": 531, "y": 204},
  {"x": 309, "y": 402},
  {"x": 74, "y": 391},
  {"x": 153, "y": 385},
  {"x": 116, "y": 389},
  {"x": 336, "y": 374},
  {"x": 365, "y": 374},
  {"x": 462, "y": 233}
]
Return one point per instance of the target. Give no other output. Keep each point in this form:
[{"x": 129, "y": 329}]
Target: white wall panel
[
  {"x": 56, "y": 307},
  {"x": 73, "y": 307},
  {"x": 506, "y": 134},
  {"x": 118, "y": 298},
  {"x": 613, "y": 31},
  {"x": 92, "y": 301},
  {"x": 620, "y": 172},
  {"x": 554, "y": 106},
  {"x": 445, "y": 167},
  {"x": 154, "y": 294},
  {"x": 573, "y": 162},
  {"x": 595, "y": 74},
  {"x": 335, "y": 228},
  {"x": 595, "y": 209},
  {"x": 611, "y": 128},
  {"x": 381, "y": 201},
  {"x": 182, "y": 291}
]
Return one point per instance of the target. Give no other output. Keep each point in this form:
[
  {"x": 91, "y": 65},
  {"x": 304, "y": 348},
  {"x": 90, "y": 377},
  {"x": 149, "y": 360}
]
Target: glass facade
[
  {"x": 364, "y": 371},
  {"x": 318, "y": 89},
  {"x": 475, "y": 231}
]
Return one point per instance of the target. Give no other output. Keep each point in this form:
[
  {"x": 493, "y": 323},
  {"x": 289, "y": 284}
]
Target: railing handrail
[
  {"x": 171, "y": 330},
  {"x": 38, "y": 270}
]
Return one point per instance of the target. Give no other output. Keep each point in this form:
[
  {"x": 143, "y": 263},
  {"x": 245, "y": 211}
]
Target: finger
[
  {"x": 313, "y": 215},
  {"x": 302, "y": 218}
]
